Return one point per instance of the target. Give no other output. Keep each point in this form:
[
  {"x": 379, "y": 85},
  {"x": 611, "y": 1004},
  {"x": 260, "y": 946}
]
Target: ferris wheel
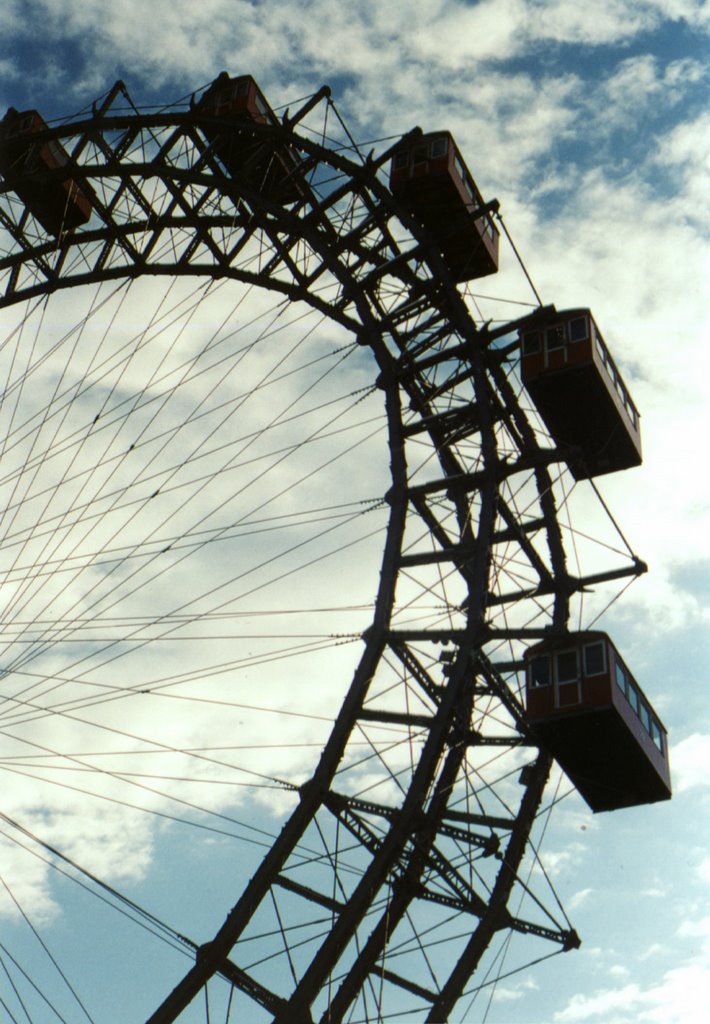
[{"x": 279, "y": 519}]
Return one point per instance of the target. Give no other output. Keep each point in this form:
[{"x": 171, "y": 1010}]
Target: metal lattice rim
[{"x": 418, "y": 277}]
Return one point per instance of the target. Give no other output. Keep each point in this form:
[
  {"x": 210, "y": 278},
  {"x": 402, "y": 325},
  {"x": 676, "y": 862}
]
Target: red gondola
[
  {"x": 59, "y": 204},
  {"x": 270, "y": 167},
  {"x": 430, "y": 179},
  {"x": 593, "y": 717},
  {"x": 579, "y": 393}
]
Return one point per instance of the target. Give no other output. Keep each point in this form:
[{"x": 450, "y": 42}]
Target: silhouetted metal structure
[{"x": 377, "y": 857}]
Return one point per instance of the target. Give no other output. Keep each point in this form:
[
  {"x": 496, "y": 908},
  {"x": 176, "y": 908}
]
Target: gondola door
[{"x": 568, "y": 680}]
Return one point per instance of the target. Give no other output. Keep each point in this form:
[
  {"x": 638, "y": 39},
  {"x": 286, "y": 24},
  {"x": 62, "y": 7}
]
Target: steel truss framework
[{"x": 392, "y": 874}]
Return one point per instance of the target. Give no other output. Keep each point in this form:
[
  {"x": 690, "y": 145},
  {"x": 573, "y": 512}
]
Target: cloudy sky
[{"x": 589, "y": 122}]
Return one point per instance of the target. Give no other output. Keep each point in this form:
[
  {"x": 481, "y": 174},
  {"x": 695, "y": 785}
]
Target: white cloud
[
  {"x": 686, "y": 148},
  {"x": 690, "y": 758},
  {"x": 678, "y": 997},
  {"x": 300, "y": 40},
  {"x": 580, "y": 897},
  {"x": 695, "y": 929},
  {"x": 504, "y": 994},
  {"x": 610, "y": 21},
  {"x": 25, "y": 884},
  {"x": 694, "y": 12},
  {"x": 491, "y": 29},
  {"x": 194, "y": 743},
  {"x": 558, "y": 863},
  {"x": 565, "y": 21},
  {"x": 606, "y": 1005},
  {"x": 655, "y": 950},
  {"x": 641, "y": 84}
]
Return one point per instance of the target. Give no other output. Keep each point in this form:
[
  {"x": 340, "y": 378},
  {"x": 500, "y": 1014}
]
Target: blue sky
[{"x": 590, "y": 124}]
